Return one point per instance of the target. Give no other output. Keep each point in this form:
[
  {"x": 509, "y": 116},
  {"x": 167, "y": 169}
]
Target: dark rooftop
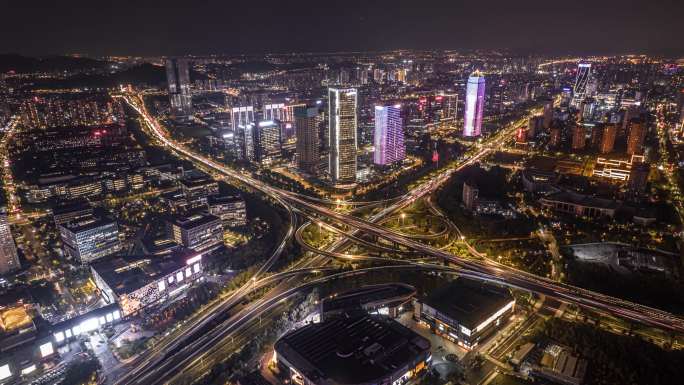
[
  {"x": 357, "y": 298},
  {"x": 129, "y": 273},
  {"x": 352, "y": 350},
  {"x": 468, "y": 302},
  {"x": 194, "y": 220},
  {"x": 88, "y": 223}
]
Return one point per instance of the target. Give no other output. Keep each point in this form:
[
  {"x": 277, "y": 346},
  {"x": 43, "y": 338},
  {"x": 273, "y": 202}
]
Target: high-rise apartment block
[{"x": 307, "y": 126}]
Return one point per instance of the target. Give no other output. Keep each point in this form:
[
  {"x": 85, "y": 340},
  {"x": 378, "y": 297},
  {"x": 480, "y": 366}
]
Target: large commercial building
[
  {"x": 359, "y": 349},
  {"x": 307, "y": 127},
  {"x": 474, "y": 105},
  {"x": 90, "y": 238},
  {"x": 342, "y": 125},
  {"x": 389, "y": 135},
  {"x": 198, "y": 232},
  {"x": 9, "y": 260},
  {"x": 178, "y": 79},
  {"x": 465, "y": 312},
  {"x": 579, "y": 205},
  {"x": 137, "y": 282}
]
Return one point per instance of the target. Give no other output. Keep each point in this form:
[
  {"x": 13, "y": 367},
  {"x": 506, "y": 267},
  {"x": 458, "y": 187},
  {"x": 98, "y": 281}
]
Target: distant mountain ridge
[{"x": 26, "y": 64}]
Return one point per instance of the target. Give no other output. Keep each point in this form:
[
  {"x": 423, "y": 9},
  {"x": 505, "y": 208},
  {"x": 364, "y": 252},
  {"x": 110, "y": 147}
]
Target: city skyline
[{"x": 342, "y": 193}]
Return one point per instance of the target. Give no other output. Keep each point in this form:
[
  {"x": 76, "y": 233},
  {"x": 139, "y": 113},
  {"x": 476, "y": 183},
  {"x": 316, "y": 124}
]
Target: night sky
[{"x": 176, "y": 27}]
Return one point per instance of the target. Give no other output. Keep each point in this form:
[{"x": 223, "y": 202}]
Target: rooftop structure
[
  {"x": 135, "y": 282},
  {"x": 363, "y": 349},
  {"x": 465, "y": 311}
]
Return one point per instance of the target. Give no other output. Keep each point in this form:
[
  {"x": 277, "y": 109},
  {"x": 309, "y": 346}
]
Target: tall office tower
[
  {"x": 637, "y": 134},
  {"x": 470, "y": 194},
  {"x": 579, "y": 137},
  {"x": 581, "y": 81},
  {"x": 242, "y": 116},
  {"x": 244, "y": 142},
  {"x": 267, "y": 144},
  {"x": 449, "y": 105},
  {"x": 275, "y": 111},
  {"x": 307, "y": 123},
  {"x": 566, "y": 98},
  {"x": 389, "y": 135},
  {"x": 548, "y": 113},
  {"x": 343, "y": 76},
  {"x": 178, "y": 79},
  {"x": 474, "y": 105},
  {"x": 586, "y": 110},
  {"x": 9, "y": 260},
  {"x": 378, "y": 75},
  {"x": 342, "y": 107},
  {"x": 608, "y": 138}
]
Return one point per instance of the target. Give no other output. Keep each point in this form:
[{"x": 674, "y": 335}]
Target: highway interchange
[{"x": 191, "y": 343}]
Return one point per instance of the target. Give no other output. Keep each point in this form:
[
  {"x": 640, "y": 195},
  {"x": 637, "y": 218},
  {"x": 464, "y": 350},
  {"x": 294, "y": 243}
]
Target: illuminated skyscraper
[
  {"x": 474, "y": 105},
  {"x": 267, "y": 144},
  {"x": 580, "y": 89},
  {"x": 342, "y": 127},
  {"x": 9, "y": 260},
  {"x": 389, "y": 135},
  {"x": 307, "y": 123},
  {"x": 178, "y": 79},
  {"x": 242, "y": 116}
]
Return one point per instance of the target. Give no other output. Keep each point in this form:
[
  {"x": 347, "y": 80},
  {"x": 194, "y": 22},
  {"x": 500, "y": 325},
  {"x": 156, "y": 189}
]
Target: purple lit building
[
  {"x": 472, "y": 120},
  {"x": 389, "y": 135}
]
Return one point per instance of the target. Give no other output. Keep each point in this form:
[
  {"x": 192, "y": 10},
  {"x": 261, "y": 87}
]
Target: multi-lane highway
[{"x": 480, "y": 269}]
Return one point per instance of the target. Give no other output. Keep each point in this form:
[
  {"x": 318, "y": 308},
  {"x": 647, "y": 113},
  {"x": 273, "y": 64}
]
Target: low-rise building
[
  {"x": 569, "y": 202},
  {"x": 230, "y": 208},
  {"x": 465, "y": 312},
  {"x": 199, "y": 188},
  {"x": 71, "y": 212},
  {"x": 550, "y": 361},
  {"x": 386, "y": 299},
  {"x": 198, "y": 232}
]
